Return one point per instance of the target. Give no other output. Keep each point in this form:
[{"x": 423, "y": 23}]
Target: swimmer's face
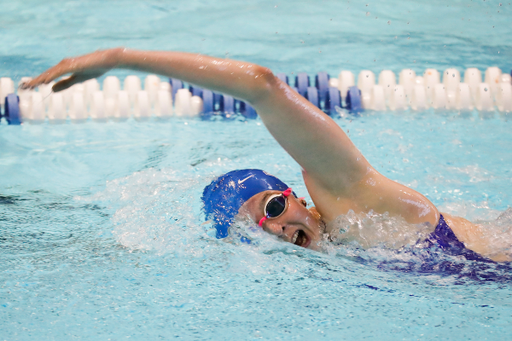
[{"x": 297, "y": 224}]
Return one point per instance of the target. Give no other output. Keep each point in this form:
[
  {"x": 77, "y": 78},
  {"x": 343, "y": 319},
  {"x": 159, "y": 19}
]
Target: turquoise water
[{"x": 102, "y": 234}]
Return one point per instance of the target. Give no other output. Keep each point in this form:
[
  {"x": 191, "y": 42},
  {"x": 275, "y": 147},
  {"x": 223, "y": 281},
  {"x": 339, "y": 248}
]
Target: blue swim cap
[{"x": 226, "y": 194}]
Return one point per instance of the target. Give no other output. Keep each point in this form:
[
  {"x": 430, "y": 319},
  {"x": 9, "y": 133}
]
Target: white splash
[
  {"x": 155, "y": 210},
  {"x": 370, "y": 230}
]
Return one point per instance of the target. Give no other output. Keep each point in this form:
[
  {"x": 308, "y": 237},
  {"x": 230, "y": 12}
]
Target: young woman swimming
[{"x": 337, "y": 176}]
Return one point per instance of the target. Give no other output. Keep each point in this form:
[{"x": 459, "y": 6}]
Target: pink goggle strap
[
  {"x": 286, "y": 194},
  {"x": 262, "y": 220}
]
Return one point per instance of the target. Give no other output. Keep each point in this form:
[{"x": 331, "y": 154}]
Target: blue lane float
[
  {"x": 332, "y": 101},
  {"x": 217, "y": 101},
  {"x": 12, "y": 109},
  {"x": 228, "y": 107},
  {"x": 322, "y": 84},
  {"x": 353, "y": 101},
  {"x": 247, "y": 110},
  {"x": 312, "y": 96},
  {"x": 283, "y": 77},
  {"x": 321, "y": 95},
  {"x": 176, "y": 84},
  {"x": 223, "y": 105},
  {"x": 208, "y": 104},
  {"x": 196, "y": 91},
  {"x": 302, "y": 83}
]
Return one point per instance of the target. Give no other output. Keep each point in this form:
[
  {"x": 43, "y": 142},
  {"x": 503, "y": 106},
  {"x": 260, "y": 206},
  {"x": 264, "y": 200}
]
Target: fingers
[
  {"x": 33, "y": 83},
  {"x": 65, "y": 83},
  {"x": 49, "y": 75},
  {"x": 59, "y": 86}
]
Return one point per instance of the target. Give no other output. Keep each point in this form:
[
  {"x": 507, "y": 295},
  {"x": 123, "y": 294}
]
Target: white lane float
[
  {"x": 463, "y": 101},
  {"x": 152, "y": 85},
  {"x": 56, "y": 108},
  {"x": 504, "y": 97},
  {"x": 163, "y": 105},
  {"x": 419, "y": 98},
  {"x": 110, "y": 107},
  {"x": 182, "y": 103},
  {"x": 407, "y": 79},
  {"x": 346, "y": 80},
  {"x": 387, "y": 80},
  {"x": 431, "y": 78},
  {"x": 91, "y": 87},
  {"x": 451, "y": 81},
  {"x": 111, "y": 87},
  {"x": 37, "y": 111},
  {"x": 378, "y": 98},
  {"x": 334, "y": 83},
  {"x": 77, "y": 110},
  {"x": 46, "y": 90},
  {"x": 398, "y": 99},
  {"x": 142, "y": 107},
  {"x": 483, "y": 99},
  {"x": 132, "y": 85},
  {"x": 196, "y": 105},
  {"x": 439, "y": 100},
  {"x": 24, "y": 94},
  {"x": 122, "y": 110},
  {"x": 493, "y": 78},
  {"x": 97, "y": 111},
  {"x": 365, "y": 83}
]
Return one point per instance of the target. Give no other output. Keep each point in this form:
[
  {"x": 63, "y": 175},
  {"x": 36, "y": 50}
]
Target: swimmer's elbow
[{"x": 264, "y": 84}]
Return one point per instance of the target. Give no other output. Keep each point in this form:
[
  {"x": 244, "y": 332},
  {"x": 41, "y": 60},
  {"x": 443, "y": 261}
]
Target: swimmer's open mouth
[{"x": 300, "y": 238}]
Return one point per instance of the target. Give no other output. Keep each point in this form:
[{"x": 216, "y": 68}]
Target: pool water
[{"x": 102, "y": 234}]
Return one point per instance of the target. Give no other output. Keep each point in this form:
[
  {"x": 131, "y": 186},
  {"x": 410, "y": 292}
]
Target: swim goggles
[{"x": 275, "y": 206}]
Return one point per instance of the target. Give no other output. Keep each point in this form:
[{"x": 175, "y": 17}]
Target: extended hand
[{"x": 81, "y": 68}]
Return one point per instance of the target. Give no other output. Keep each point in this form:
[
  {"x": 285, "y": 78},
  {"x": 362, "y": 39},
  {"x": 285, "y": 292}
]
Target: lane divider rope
[{"x": 448, "y": 91}]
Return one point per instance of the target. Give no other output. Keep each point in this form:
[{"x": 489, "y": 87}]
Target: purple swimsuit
[
  {"x": 444, "y": 237},
  {"x": 430, "y": 260}
]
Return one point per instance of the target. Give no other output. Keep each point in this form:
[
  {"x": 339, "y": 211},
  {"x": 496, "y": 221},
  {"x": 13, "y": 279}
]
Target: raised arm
[
  {"x": 239, "y": 79},
  {"x": 312, "y": 138}
]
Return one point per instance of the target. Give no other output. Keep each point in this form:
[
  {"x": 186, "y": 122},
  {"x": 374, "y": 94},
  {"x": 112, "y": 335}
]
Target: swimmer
[{"x": 337, "y": 176}]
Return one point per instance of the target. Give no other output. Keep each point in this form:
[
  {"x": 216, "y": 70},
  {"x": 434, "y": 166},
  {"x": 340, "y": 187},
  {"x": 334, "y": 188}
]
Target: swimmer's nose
[{"x": 274, "y": 227}]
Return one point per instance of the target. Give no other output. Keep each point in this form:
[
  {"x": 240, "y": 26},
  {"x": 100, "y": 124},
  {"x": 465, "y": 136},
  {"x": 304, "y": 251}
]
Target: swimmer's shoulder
[{"x": 374, "y": 192}]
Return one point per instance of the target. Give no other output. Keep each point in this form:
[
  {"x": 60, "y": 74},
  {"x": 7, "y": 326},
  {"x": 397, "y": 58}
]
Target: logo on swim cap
[{"x": 225, "y": 195}]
